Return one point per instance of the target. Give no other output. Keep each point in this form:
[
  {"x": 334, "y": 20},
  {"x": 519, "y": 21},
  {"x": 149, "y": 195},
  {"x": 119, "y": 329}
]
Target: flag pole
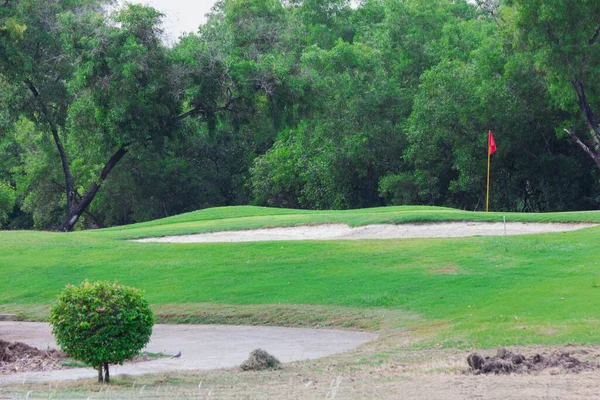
[{"x": 487, "y": 196}]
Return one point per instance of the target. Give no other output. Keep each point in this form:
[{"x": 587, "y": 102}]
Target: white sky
[{"x": 181, "y": 15}]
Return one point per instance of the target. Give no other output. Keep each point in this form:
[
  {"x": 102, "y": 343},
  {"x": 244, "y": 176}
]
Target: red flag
[{"x": 491, "y": 144}]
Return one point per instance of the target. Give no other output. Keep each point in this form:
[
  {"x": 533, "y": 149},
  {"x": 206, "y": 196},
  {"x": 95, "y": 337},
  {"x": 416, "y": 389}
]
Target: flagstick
[{"x": 487, "y": 196}]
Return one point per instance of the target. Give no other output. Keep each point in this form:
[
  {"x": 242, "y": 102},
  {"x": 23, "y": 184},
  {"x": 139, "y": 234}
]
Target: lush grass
[{"x": 500, "y": 290}]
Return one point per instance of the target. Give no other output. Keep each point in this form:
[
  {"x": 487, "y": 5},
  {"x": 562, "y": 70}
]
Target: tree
[
  {"x": 33, "y": 61},
  {"x": 334, "y": 157},
  {"x": 195, "y": 170},
  {"x": 123, "y": 95},
  {"x": 483, "y": 84},
  {"x": 303, "y": 103},
  {"x": 354, "y": 99},
  {"x": 101, "y": 323},
  {"x": 565, "y": 37},
  {"x": 101, "y": 85},
  {"x": 324, "y": 21}
]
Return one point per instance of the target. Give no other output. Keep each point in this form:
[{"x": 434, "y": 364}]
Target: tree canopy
[{"x": 299, "y": 103}]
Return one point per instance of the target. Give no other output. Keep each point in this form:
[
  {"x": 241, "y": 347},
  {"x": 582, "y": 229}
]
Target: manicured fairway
[{"x": 478, "y": 291}]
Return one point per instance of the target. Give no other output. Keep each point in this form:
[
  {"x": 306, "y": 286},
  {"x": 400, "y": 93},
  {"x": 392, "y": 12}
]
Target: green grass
[
  {"x": 504, "y": 290},
  {"x": 80, "y": 364},
  {"x": 74, "y": 364}
]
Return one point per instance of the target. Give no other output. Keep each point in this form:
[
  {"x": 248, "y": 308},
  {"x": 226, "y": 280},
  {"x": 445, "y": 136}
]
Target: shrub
[{"x": 101, "y": 323}]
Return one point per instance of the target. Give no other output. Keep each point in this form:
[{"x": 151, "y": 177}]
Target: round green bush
[{"x": 101, "y": 323}]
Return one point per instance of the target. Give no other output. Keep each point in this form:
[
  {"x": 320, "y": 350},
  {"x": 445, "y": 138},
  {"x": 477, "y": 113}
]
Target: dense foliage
[
  {"x": 101, "y": 323},
  {"x": 307, "y": 103}
]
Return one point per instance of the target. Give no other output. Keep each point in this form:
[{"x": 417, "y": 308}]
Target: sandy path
[
  {"x": 344, "y": 232},
  {"x": 202, "y": 347}
]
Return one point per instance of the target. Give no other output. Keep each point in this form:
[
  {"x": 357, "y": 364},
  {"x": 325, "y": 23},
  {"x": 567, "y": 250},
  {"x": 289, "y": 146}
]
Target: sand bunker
[
  {"x": 201, "y": 346},
  {"x": 344, "y": 232}
]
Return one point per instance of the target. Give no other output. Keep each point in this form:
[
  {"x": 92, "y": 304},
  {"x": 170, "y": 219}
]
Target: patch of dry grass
[
  {"x": 27, "y": 312},
  {"x": 385, "y": 369},
  {"x": 288, "y": 315}
]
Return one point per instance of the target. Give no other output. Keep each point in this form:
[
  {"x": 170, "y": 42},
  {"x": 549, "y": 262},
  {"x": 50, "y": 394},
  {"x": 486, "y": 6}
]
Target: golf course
[
  {"x": 299, "y": 199},
  {"x": 439, "y": 296},
  {"x": 478, "y": 291}
]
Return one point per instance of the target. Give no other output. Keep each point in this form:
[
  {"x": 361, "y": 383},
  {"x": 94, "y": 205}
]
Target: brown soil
[
  {"x": 506, "y": 362},
  {"x": 20, "y": 357}
]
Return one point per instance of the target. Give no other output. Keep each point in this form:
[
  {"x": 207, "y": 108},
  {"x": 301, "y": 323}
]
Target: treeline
[{"x": 299, "y": 103}]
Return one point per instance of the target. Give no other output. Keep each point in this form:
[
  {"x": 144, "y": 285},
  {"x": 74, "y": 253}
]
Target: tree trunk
[
  {"x": 592, "y": 123},
  {"x": 106, "y": 373},
  {"x": 586, "y": 109},
  {"x": 69, "y": 188},
  {"x": 103, "y": 378},
  {"x": 70, "y": 191},
  {"x": 75, "y": 212}
]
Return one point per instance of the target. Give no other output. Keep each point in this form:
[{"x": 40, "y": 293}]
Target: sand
[
  {"x": 379, "y": 231},
  {"x": 202, "y": 347}
]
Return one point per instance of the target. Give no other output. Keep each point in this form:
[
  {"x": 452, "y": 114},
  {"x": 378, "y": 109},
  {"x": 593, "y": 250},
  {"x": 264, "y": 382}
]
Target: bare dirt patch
[
  {"x": 379, "y": 231},
  {"x": 506, "y": 362},
  {"x": 20, "y": 357}
]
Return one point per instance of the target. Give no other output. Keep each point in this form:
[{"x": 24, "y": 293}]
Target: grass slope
[
  {"x": 247, "y": 217},
  {"x": 479, "y": 291}
]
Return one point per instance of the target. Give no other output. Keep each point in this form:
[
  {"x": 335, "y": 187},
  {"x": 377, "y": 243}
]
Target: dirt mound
[
  {"x": 20, "y": 357},
  {"x": 260, "y": 360},
  {"x": 506, "y": 362}
]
